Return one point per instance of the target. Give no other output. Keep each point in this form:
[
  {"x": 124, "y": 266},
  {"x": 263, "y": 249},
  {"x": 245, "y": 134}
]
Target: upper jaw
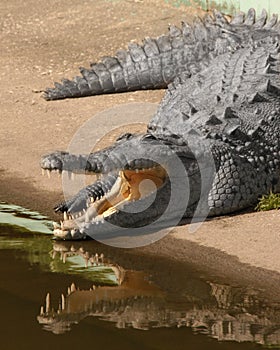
[{"x": 136, "y": 152}]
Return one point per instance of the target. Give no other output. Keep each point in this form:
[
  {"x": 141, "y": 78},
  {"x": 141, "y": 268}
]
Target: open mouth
[{"x": 108, "y": 196}]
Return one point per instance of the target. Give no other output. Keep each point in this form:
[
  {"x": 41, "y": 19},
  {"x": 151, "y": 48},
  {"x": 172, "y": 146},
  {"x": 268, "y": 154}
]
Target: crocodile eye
[{"x": 125, "y": 136}]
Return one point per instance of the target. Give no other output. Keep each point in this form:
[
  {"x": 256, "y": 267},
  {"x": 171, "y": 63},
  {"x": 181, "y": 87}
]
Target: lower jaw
[{"x": 127, "y": 191}]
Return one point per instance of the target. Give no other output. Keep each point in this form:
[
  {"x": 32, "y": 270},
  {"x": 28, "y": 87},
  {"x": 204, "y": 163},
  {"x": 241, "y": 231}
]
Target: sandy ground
[{"x": 43, "y": 41}]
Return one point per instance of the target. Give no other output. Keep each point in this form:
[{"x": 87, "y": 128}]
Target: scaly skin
[
  {"x": 229, "y": 113},
  {"x": 157, "y": 62}
]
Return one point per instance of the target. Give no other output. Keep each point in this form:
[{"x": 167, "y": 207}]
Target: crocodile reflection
[{"x": 231, "y": 313}]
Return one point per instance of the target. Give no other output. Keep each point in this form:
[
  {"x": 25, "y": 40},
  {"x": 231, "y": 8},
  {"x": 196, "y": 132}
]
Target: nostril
[
  {"x": 125, "y": 136},
  {"x": 51, "y": 163}
]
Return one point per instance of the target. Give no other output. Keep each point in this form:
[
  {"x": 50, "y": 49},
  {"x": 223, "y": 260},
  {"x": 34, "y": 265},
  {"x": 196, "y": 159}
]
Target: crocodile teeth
[
  {"x": 73, "y": 232},
  {"x": 62, "y": 301},
  {"x": 65, "y": 216},
  {"x": 73, "y": 288},
  {"x": 49, "y": 173},
  {"x": 102, "y": 258},
  {"x": 42, "y": 311},
  {"x": 43, "y": 172},
  {"x": 48, "y": 302}
]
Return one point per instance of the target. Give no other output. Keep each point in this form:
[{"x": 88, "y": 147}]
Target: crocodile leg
[{"x": 238, "y": 184}]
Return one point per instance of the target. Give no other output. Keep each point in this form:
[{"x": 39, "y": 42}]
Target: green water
[
  {"x": 231, "y": 7},
  {"x": 68, "y": 295}
]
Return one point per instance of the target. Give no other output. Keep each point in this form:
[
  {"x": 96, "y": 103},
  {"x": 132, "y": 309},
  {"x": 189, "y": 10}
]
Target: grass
[{"x": 269, "y": 202}]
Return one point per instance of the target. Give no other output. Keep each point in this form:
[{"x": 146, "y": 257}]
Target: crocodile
[{"x": 213, "y": 145}]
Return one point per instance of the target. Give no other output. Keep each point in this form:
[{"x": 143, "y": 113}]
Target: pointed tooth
[
  {"x": 68, "y": 291},
  {"x": 73, "y": 287},
  {"x": 137, "y": 171},
  {"x": 42, "y": 311},
  {"x": 48, "y": 303},
  {"x": 102, "y": 258},
  {"x": 62, "y": 301},
  {"x": 72, "y": 176},
  {"x": 84, "y": 210},
  {"x": 49, "y": 173},
  {"x": 92, "y": 199},
  {"x": 65, "y": 216},
  {"x": 43, "y": 172},
  {"x": 73, "y": 232},
  {"x": 62, "y": 225}
]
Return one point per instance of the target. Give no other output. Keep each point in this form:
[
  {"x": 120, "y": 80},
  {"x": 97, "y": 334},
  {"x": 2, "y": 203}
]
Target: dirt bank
[{"x": 43, "y": 41}]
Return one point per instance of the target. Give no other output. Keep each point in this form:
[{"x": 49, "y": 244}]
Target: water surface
[{"x": 67, "y": 295}]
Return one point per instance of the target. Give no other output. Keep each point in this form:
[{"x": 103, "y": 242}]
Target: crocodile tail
[
  {"x": 157, "y": 62},
  {"x": 152, "y": 65}
]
